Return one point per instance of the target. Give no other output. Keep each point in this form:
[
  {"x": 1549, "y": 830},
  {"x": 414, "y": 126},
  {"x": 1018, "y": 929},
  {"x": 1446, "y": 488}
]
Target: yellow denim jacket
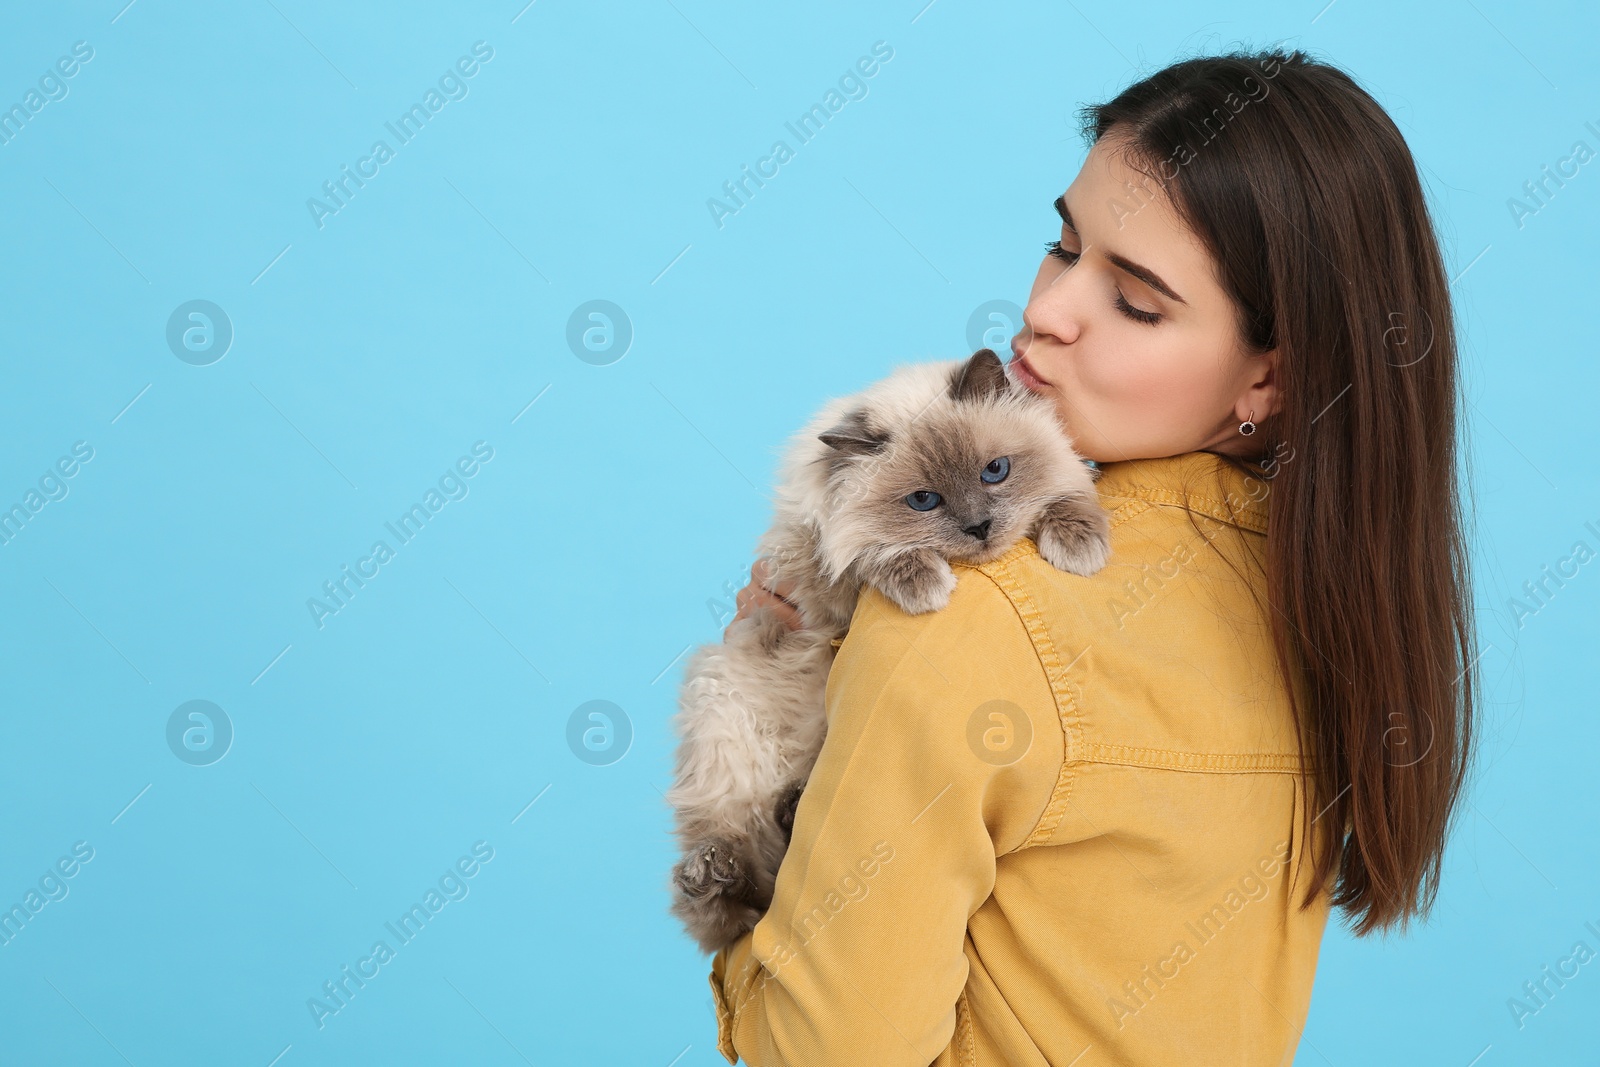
[{"x": 1057, "y": 821}]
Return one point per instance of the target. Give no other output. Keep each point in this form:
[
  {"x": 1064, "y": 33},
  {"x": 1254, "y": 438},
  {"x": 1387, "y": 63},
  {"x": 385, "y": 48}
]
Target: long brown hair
[{"x": 1308, "y": 198}]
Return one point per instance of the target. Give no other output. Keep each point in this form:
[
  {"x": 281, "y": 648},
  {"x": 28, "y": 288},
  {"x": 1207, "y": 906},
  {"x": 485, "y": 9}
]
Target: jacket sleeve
[{"x": 944, "y": 747}]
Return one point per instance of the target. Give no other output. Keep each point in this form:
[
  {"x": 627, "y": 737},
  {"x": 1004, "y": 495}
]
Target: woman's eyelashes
[
  {"x": 1149, "y": 318},
  {"x": 1061, "y": 253}
]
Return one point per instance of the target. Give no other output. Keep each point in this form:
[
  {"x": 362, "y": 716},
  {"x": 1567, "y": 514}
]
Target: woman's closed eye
[{"x": 1149, "y": 318}]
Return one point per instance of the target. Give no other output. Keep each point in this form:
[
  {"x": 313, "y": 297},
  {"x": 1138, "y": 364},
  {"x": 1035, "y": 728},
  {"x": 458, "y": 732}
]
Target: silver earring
[{"x": 1247, "y": 427}]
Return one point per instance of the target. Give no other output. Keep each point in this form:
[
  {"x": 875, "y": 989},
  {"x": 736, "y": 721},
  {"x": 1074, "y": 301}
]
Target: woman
[{"x": 1103, "y": 820}]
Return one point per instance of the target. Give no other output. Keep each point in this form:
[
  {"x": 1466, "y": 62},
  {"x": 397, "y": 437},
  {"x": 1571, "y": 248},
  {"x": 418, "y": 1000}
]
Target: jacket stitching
[
  {"x": 999, "y": 571},
  {"x": 1249, "y": 517},
  {"x": 1044, "y": 649},
  {"x": 724, "y": 1022},
  {"x": 1097, "y": 752},
  {"x": 964, "y": 1039},
  {"x": 1127, "y": 510},
  {"x": 744, "y": 991},
  {"x": 1217, "y": 762}
]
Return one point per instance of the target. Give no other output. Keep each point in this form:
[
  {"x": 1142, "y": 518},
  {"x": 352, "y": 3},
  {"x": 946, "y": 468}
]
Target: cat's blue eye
[
  {"x": 997, "y": 470},
  {"x": 923, "y": 500}
]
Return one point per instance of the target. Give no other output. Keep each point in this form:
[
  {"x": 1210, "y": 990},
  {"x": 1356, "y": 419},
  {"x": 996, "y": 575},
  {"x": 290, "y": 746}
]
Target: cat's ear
[
  {"x": 854, "y": 435},
  {"x": 982, "y": 376}
]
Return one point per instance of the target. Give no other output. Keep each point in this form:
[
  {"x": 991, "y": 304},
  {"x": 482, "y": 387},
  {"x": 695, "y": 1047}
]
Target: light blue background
[{"x": 621, "y": 508}]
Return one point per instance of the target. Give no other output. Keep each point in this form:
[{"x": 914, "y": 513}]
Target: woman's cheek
[
  {"x": 1161, "y": 375},
  {"x": 1108, "y": 372}
]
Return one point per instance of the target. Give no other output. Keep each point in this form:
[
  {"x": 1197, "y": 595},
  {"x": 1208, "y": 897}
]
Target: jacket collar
[{"x": 1204, "y": 481}]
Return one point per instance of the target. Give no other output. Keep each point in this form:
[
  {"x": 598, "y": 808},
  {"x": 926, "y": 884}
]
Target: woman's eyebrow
[{"x": 1144, "y": 274}]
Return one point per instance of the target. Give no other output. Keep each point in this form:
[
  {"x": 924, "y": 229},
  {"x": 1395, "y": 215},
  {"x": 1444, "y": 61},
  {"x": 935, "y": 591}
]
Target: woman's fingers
[
  {"x": 784, "y": 610},
  {"x": 761, "y": 573},
  {"x": 756, "y": 594},
  {"x": 752, "y": 596}
]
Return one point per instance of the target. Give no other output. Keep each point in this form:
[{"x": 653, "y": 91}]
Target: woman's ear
[{"x": 1261, "y": 392}]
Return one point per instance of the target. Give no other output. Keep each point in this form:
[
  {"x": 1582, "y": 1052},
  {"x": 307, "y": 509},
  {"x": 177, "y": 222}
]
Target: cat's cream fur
[{"x": 751, "y": 717}]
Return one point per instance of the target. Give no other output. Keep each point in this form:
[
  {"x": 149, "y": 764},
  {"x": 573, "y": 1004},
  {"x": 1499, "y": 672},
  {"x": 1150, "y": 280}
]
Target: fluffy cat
[{"x": 949, "y": 460}]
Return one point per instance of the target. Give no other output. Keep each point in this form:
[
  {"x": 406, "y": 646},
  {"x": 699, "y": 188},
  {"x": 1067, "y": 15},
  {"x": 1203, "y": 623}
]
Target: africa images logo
[{"x": 452, "y": 85}]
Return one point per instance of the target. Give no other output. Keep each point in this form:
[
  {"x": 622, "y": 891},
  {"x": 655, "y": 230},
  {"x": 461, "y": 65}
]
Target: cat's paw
[
  {"x": 783, "y": 811},
  {"x": 917, "y": 581},
  {"x": 1074, "y": 534},
  {"x": 712, "y": 868},
  {"x": 767, "y": 629}
]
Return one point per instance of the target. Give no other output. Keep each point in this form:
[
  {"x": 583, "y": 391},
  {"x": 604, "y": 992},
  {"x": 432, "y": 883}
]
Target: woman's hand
[{"x": 757, "y": 593}]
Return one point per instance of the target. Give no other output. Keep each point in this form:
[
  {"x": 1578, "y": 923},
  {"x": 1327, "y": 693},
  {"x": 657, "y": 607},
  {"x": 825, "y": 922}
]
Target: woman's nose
[
  {"x": 1051, "y": 314},
  {"x": 1022, "y": 339}
]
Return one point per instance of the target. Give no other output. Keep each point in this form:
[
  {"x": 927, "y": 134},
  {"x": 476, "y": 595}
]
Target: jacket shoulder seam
[
  {"x": 1125, "y": 508},
  {"x": 1250, "y": 518},
  {"x": 1001, "y": 574},
  {"x": 1203, "y": 762}
]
